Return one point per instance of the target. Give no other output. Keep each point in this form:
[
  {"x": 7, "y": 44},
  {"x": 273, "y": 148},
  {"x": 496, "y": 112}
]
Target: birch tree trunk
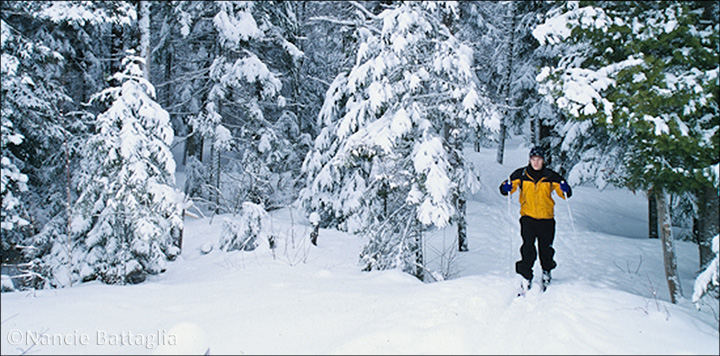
[
  {"x": 143, "y": 13},
  {"x": 668, "y": 246},
  {"x": 501, "y": 143}
]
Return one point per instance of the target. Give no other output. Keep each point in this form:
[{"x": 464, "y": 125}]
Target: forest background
[{"x": 357, "y": 112}]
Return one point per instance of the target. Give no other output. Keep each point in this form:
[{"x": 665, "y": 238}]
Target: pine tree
[
  {"x": 127, "y": 218},
  {"x": 648, "y": 71}
]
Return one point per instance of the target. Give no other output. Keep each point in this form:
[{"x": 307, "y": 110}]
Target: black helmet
[{"x": 537, "y": 151}]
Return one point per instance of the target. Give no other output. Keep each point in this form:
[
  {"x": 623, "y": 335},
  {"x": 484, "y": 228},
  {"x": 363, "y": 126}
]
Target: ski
[
  {"x": 546, "y": 278},
  {"x": 525, "y": 286}
]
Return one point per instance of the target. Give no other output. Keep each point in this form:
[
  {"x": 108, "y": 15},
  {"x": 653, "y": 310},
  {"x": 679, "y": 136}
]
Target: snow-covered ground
[{"x": 608, "y": 294}]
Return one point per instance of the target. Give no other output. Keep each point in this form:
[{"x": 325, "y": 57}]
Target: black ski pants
[{"x": 542, "y": 230}]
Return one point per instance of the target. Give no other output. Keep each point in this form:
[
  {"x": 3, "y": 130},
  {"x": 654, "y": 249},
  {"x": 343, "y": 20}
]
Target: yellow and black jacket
[{"x": 536, "y": 189}]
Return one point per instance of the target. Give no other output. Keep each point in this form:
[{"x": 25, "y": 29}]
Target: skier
[{"x": 536, "y": 183}]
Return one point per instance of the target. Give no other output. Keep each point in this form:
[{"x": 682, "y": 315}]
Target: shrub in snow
[
  {"x": 246, "y": 231},
  {"x": 315, "y": 222},
  {"x": 7, "y": 284}
]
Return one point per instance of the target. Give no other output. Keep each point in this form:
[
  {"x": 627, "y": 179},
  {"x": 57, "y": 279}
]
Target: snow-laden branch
[
  {"x": 581, "y": 89},
  {"x": 332, "y": 20},
  {"x": 364, "y": 10},
  {"x": 708, "y": 277}
]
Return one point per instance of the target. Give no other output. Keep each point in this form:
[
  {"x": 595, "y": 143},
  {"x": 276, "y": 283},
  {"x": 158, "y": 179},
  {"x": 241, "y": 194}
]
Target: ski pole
[
  {"x": 572, "y": 222},
  {"x": 512, "y": 230},
  {"x": 508, "y": 209},
  {"x": 508, "y": 199}
]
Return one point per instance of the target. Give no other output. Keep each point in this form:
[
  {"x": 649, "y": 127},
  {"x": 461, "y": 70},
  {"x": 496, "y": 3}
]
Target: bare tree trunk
[
  {"x": 508, "y": 80},
  {"x": 453, "y": 136},
  {"x": 314, "y": 234},
  {"x": 462, "y": 225},
  {"x": 652, "y": 214},
  {"x": 67, "y": 203},
  {"x": 419, "y": 254},
  {"x": 181, "y": 234},
  {"x": 668, "y": 246},
  {"x": 168, "y": 76},
  {"x": 536, "y": 131},
  {"x": 416, "y": 245},
  {"x": 708, "y": 222},
  {"x": 217, "y": 177}
]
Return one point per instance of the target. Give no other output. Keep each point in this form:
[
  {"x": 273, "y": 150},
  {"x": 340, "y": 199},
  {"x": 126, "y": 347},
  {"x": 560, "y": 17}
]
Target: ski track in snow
[{"x": 607, "y": 295}]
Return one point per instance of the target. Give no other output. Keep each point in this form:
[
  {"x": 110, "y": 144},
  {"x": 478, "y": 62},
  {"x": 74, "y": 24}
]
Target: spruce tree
[
  {"x": 31, "y": 137},
  {"x": 127, "y": 219},
  {"x": 389, "y": 162}
]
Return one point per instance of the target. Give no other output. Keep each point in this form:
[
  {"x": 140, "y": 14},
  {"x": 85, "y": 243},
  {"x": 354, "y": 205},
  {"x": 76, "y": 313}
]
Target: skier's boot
[
  {"x": 525, "y": 285},
  {"x": 545, "y": 280}
]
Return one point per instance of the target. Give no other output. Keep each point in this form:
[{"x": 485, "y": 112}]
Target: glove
[
  {"x": 565, "y": 187},
  {"x": 506, "y": 187}
]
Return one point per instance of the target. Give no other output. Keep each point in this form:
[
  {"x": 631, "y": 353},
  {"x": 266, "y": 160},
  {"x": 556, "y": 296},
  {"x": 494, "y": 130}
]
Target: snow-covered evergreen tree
[
  {"x": 195, "y": 183},
  {"x": 589, "y": 153},
  {"x": 13, "y": 183},
  {"x": 243, "y": 105},
  {"x": 389, "y": 161},
  {"x": 31, "y": 136},
  {"x": 43, "y": 97},
  {"x": 16, "y": 92},
  {"x": 127, "y": 219},
  {"x": 648, "y": 71}
]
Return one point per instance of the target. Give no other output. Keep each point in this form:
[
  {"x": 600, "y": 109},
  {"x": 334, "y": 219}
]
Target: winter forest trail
[
  {"x": 608, "y": 271},
  {"x": 607, "y": 294}
]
